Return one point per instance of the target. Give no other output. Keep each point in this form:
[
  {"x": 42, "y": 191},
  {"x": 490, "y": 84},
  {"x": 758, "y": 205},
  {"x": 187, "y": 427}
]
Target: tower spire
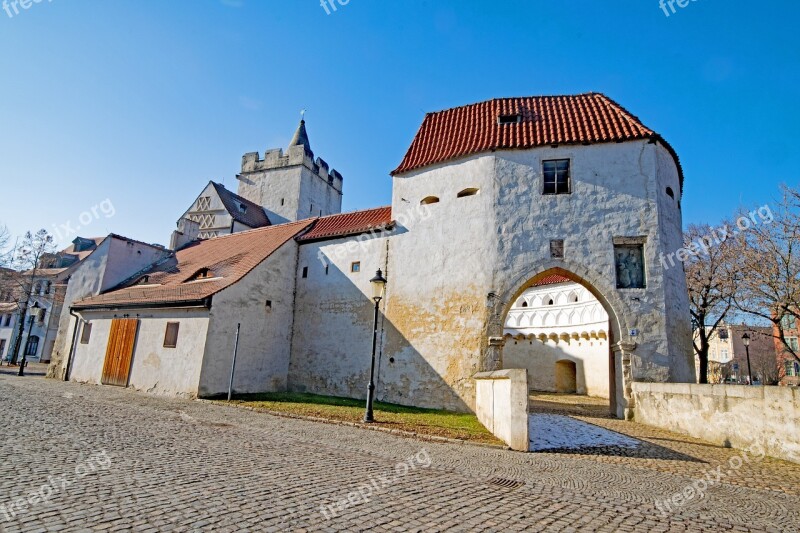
[{"x": 301, "y": 135}]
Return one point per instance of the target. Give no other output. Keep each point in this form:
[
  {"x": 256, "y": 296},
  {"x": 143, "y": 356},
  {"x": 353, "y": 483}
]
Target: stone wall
[
  {"x": 729, "y": 415},
  {"x": 501, "y": 404}
]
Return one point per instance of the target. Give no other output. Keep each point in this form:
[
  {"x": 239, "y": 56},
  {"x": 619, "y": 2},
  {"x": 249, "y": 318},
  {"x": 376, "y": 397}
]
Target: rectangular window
[
  {"x": 327, "y": 267},
  {"x": 556, "y": 176},
  {"x": 789, "y": 369},
  {"x": 171, "y": 335},
  {"x": 788, "y": 322},
  {"x": 557, "y": 249},
  {"x": 305, "y": 272},
  {"x": 2, "y": 347},
  {"x": 355, "y": 266},
  {"x": 792, "y": 342},
  {"x": 86, "y": 333}
]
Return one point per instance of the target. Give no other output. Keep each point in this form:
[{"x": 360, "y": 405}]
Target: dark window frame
[
  {"x": 86, "y": 332},
  {"x": 556, "y": 180},
  {"x": 171, "y": 341}
]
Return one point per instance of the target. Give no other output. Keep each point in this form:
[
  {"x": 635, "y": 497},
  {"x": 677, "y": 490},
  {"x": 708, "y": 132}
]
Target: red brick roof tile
[
  {"x": 551, "y": 280},
  {"x": 345, "y": 224},
  {"x": 228, "y": 259},
  {"x": 545, "y": 120}
]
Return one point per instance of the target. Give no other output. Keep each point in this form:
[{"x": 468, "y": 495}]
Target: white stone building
[{"x": 490, "y": 200}]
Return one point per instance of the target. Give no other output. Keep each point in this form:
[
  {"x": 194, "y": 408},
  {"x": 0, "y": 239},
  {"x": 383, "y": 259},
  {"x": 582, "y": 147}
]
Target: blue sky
[{"x": 143, "y": 102}]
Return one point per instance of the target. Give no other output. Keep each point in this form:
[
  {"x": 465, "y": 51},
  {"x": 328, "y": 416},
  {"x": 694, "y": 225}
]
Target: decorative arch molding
[{"x": 605, "y": 293}]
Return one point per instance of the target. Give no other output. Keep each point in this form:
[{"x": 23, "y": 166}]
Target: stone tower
[{"x": 291, "y": 186}]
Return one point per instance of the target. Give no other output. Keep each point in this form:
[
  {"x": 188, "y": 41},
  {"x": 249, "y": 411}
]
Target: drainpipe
[{"x": 72, "y": 344}]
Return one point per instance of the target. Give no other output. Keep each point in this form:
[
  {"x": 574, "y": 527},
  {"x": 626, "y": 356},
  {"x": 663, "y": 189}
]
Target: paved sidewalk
[{"x": 176, "y": 465}]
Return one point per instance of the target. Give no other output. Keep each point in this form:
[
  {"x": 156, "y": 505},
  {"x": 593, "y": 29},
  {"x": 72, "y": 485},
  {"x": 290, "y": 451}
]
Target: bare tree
[
  {"x": 768, "y": 258},
  {"x": 23, "y": 280},
  {"x": 711, "y": 282}
]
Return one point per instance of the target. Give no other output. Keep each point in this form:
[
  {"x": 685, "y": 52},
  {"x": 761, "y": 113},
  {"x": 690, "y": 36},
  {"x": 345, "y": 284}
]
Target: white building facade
[{"x": 490, "y": 200}]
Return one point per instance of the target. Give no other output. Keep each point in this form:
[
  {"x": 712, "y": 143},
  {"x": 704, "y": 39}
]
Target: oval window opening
[
  {"x": 429, "y": 200},
  {"x": 670, "y": 193},
  {"x": 467, "y": 192}
]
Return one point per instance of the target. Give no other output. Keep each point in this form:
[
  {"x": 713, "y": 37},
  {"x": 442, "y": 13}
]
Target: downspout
[{"x": 72, "y": 344}]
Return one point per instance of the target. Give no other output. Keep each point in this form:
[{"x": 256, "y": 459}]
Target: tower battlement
[
  {"x": 291, "y": 185},
  {"x": 274, "y": 158}
]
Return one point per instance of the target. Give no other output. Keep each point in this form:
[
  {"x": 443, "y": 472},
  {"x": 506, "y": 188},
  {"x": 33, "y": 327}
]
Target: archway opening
[{"x": 564, "y": 338}]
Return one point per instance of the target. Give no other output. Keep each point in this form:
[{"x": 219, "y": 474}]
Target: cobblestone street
[{"x": 184, "y": 466}]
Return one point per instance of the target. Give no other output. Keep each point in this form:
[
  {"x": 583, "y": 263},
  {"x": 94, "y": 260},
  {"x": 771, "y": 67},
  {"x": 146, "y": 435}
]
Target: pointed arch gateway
[{"x": 620, "y": 344}]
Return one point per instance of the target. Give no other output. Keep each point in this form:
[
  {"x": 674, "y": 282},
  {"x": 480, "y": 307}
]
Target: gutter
[
  {"x": 205, "y": 303},
  {"x": 72, "y": 344}
]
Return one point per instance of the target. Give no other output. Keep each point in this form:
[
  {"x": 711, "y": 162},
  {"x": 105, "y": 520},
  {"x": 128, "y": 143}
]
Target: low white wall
[
  {"x": 730, "y": 415},
  {"x": 501, "y": 403}
]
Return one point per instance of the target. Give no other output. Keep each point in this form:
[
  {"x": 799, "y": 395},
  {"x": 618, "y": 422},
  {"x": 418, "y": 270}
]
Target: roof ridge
[
  {"x": 355, "y": 212},
  {"x": 262, "y": 228},
  {"x": 505, "y": 98},
  {"x": 219, "y": 186}
]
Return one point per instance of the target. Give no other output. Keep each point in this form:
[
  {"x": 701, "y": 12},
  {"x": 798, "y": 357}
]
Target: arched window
[
  {"x": 550, "y": 302},
  {"x": 524, "y": 304},
  {"x": 468, "y": 192},
  {"x": 670, "y": 193},
  {"x": 32, "y": 346},
  {"x": 429, "y": 200},
  {"x": 573, "y": 298}
]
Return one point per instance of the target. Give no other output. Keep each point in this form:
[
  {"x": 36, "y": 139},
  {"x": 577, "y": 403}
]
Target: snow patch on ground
[{"x": 549, "y": 432}]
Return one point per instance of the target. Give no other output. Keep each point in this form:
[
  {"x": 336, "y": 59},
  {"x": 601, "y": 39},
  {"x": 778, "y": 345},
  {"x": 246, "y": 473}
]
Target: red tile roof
[
  {"x": 545, "y": 120},
  {"x": 345, "y": 224},
  {"x": 552, "y": 279},
  {"x": 228, "y": 259}
]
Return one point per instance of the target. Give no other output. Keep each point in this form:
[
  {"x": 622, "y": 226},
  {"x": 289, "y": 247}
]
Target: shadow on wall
[
  {"x": 332, "y": 348},
  {"x": 567, "y": 366}
]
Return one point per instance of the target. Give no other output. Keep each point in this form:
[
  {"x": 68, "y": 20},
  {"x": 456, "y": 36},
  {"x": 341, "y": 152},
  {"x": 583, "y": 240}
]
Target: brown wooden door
[{"x": 119, "y": 353}]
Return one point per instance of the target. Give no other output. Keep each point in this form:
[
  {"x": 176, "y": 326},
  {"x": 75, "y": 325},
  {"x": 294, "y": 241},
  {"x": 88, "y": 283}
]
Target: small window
[
  {"x": 32, "y": 346},
  {"x": 557, "y": 249},
  {"x": 515, "y": 118},
  {"x": 524, "y": 304},
  {"x": 468, "y": 192},
  {"x": 269, "y": 304},
  {"x": 556, "y": 176},
  {"x": 355, "y": 266},
  {"x": 670, "y": 193},
  {"x": 429, "y": 200},
  {"x": 203, "y": 273},
  {"x": 86, "y": 333},
  {"x": 283, "y": 201},
  {"x": 792, "y": 342},
  {"x": 550, "y": 302},
  {"x": 243, "y": 208},
  {"x": 327, "y": 267},
  {"x": 305, "y": 272},
  {"x": 171, "y": 335}
]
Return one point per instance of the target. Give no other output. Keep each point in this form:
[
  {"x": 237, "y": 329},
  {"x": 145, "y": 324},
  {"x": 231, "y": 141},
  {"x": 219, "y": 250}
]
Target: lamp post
[
  {"x": 378, "y": 286},
  {"x": 33, "y": 316},
  {"x": 746, "y": 341}
]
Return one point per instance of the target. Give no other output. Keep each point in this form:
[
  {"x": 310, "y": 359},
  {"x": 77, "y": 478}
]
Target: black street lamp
[
  {"x": 746, "y": 341},
  {"x": 378, "y": 286},
  {"x": 33, "y": 316}
]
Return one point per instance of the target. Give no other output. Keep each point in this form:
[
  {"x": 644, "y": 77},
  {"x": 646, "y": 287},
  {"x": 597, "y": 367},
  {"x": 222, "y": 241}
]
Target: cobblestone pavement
[{"x": 113, "y": 459}]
